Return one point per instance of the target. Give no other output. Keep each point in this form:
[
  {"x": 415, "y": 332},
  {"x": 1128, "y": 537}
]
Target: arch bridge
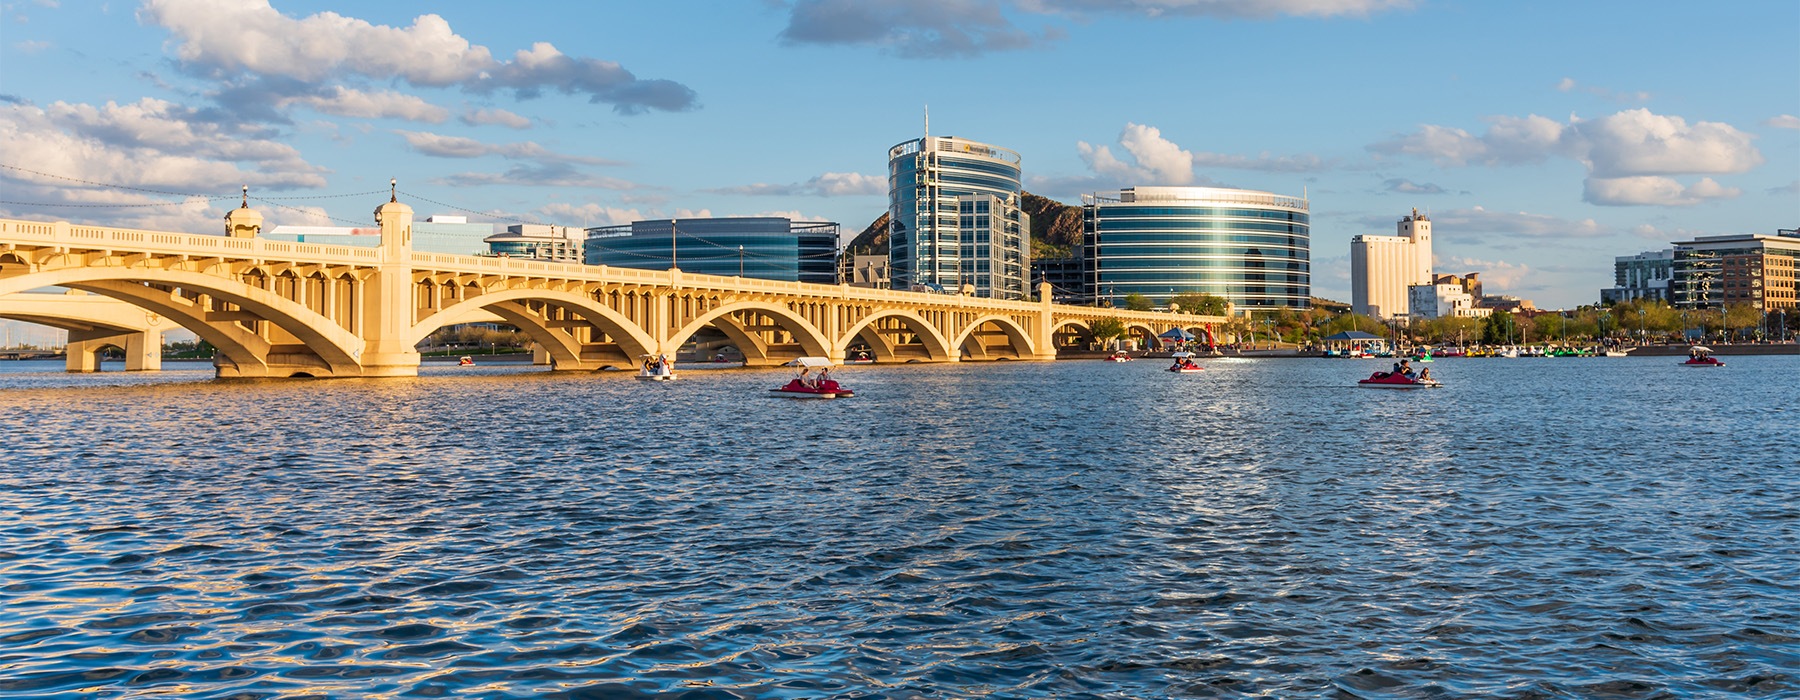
[{"x": 282, "y": 309}]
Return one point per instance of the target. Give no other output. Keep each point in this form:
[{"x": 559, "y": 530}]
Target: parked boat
[
  {"x": 813, "y": 382},
  {"x": 1119, "y": 356}
]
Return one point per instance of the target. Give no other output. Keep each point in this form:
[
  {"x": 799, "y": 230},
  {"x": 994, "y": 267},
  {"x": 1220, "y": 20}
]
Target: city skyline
[{"x": 1543, "y": 140}]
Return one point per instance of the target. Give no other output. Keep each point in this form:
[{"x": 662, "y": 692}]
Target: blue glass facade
[
  {"x": 1252, "y": 248},
  {"x": 771, "y": 248},
  {"x": 954, "y": 218}
]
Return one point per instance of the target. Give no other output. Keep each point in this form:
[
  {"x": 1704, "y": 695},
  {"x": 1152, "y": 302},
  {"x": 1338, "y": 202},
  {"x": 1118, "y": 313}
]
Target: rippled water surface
[{"x": 1593, "y": 528}]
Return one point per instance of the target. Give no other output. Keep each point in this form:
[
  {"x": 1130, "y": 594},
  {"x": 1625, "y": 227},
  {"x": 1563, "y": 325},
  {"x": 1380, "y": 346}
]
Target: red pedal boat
[
  {"x": 1701, "y": 356},
  {"x": 812, "y": 386},
  {"x": 1387, "y": 380}
]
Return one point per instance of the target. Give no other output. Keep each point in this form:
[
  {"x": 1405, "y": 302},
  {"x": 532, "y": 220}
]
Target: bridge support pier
[{"x": 143, "y": 349}]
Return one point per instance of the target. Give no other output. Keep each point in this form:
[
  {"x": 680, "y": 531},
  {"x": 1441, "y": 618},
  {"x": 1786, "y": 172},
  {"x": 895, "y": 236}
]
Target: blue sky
[{"x": 1544, "y": 138}]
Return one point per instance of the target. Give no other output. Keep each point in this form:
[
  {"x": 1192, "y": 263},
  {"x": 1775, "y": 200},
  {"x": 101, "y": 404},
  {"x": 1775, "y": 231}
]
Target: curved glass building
[
  {"x": 954, "y": 219},
  {"x": 765, "y": 247},
  {"x": 1250, "y": 247}
]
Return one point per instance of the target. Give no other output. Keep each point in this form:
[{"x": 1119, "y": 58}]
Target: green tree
[
  {"x": 1499, "y": 329},
  {"x": 1197, "y": 303},
  {"x": 1138, "y": 302},
  {"x": 1107, "y": 329},
  {"x": 1741, "y": 316},
  {"x": 1353, "y": 322}
]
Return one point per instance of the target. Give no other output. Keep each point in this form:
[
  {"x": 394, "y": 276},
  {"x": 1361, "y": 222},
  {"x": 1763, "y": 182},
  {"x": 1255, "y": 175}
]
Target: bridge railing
[{"x": 64, "y": 234}]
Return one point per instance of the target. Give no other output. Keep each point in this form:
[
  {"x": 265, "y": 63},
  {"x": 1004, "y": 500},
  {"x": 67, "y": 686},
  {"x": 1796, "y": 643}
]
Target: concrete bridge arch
[
  {"x": 750, "y": 340},
  {"x": 936, "y": 347}
]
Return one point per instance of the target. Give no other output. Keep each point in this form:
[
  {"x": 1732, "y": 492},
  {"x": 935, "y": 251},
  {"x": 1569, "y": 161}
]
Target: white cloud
[
  {"x": 1783, "y": 121},
  {"x": 500, "y": 117},
  {"x": 1404, "y": 186},
  {"x": 249, "y": 36},
  {"x": 1569, "y": 84},
  {"x": 1654, "y": 190},
  {"x": 1480, "y": 220},
  {"x": 590, "y": 214},
  {"x": 1495, "y": 274},
  {"x": 461, "y": 147},
  {"x": 1637, "y": 142},
  {"x": 149, "y": 143},
  {"x": 1155, "y": 160},
  {"x": 826, "y": 185},
  {"x": 1629, "y": 155},
  {"x": 31, "y": 46},
  {"x": 385, "y": 104}
]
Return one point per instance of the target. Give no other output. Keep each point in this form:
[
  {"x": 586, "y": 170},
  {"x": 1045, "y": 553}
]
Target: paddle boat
[
  {"x": 1394, "y": 380},
  {"x": 1119, "y": 356},
  {"x": 809, "y": 385},
  {"x": 656, "y": 368},
  {"x": 1701, "y": 356},
  {"x": 1184, "y": 363},
  {"x": 862, "y": 358},
  {"x": 465, "y": 361}
]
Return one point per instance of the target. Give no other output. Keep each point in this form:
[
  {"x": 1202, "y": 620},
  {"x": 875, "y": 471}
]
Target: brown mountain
[{"x": 1055, "y": 230}]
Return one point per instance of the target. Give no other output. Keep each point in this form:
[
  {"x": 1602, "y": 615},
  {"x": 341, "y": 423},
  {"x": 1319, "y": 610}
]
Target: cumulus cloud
[
  {"x": 954, "y": 28},
  {"x": 1783, "y": 121},
  {"x": 826, "y": 185},
  {"x": 1155, "y": 160},
  {"x": 1629, "y": 155},
  {"x": 150, "y": 143},
  {"x": 1654, "y": 190},
  {"x": 1790, "y": 188},
  {"x": 538, "y": 175},
  {"x": 1404, "y": 186},
  {"x": 1495, "y": 274},
  {"x": 229, "y": 37},
  {"x": 1569, "y": 85},
  {"x": 443, "y": 146},
  {"x": 1481, "y": 220},
  {"x": 385, "y": 104},
  {"x": 589, "y": 214},
  {"x": 497, "y": 117}
]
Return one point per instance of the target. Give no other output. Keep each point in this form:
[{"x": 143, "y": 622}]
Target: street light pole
[
  {"x": 740, "y": 260},
  {"x": 672, "y": 224}
]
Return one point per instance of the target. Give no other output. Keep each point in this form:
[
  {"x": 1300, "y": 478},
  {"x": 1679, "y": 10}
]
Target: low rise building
[
  {"x": 867, "y": 271},
  {"x": 538, "y": 242},
  {"x": 1442, "y": 300}
]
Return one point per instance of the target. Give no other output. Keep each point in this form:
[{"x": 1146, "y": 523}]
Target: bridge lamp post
[
  {"x": 672, "y": 224},
  {"x": 740, "y": 260}
]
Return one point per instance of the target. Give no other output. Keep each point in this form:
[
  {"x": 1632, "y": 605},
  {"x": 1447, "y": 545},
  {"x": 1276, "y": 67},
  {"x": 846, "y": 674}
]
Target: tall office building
[
  {"x": 1643, "y": 276},
  {"x": 1252, "y": 248},
  {"x": 764, "y": 247},
  {"x": 954, "y": 219},
  {"x": 1383, "y": 267}
]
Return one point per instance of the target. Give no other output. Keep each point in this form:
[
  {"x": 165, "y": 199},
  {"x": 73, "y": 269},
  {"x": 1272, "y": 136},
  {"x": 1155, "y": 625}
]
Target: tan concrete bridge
[
  {"x": 281, "y": 309},
  {"x": 94, "y": 323}
]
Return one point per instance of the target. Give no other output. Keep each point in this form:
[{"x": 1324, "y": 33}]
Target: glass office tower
[
  {"x": 764, "y": 247},
  {"x": 1250, "y": 247},
  {"x": 954, "y": 221}
]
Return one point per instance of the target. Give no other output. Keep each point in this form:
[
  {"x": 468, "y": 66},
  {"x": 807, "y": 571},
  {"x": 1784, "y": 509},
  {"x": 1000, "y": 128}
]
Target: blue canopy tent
[{"x": 1176, "y": 336}]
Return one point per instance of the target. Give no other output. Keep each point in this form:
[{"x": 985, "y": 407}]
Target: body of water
[{"x": 1539, "y": 528}]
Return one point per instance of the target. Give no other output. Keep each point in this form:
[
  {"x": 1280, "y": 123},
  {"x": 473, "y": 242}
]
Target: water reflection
[{"x": 1541, "y": 527}]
